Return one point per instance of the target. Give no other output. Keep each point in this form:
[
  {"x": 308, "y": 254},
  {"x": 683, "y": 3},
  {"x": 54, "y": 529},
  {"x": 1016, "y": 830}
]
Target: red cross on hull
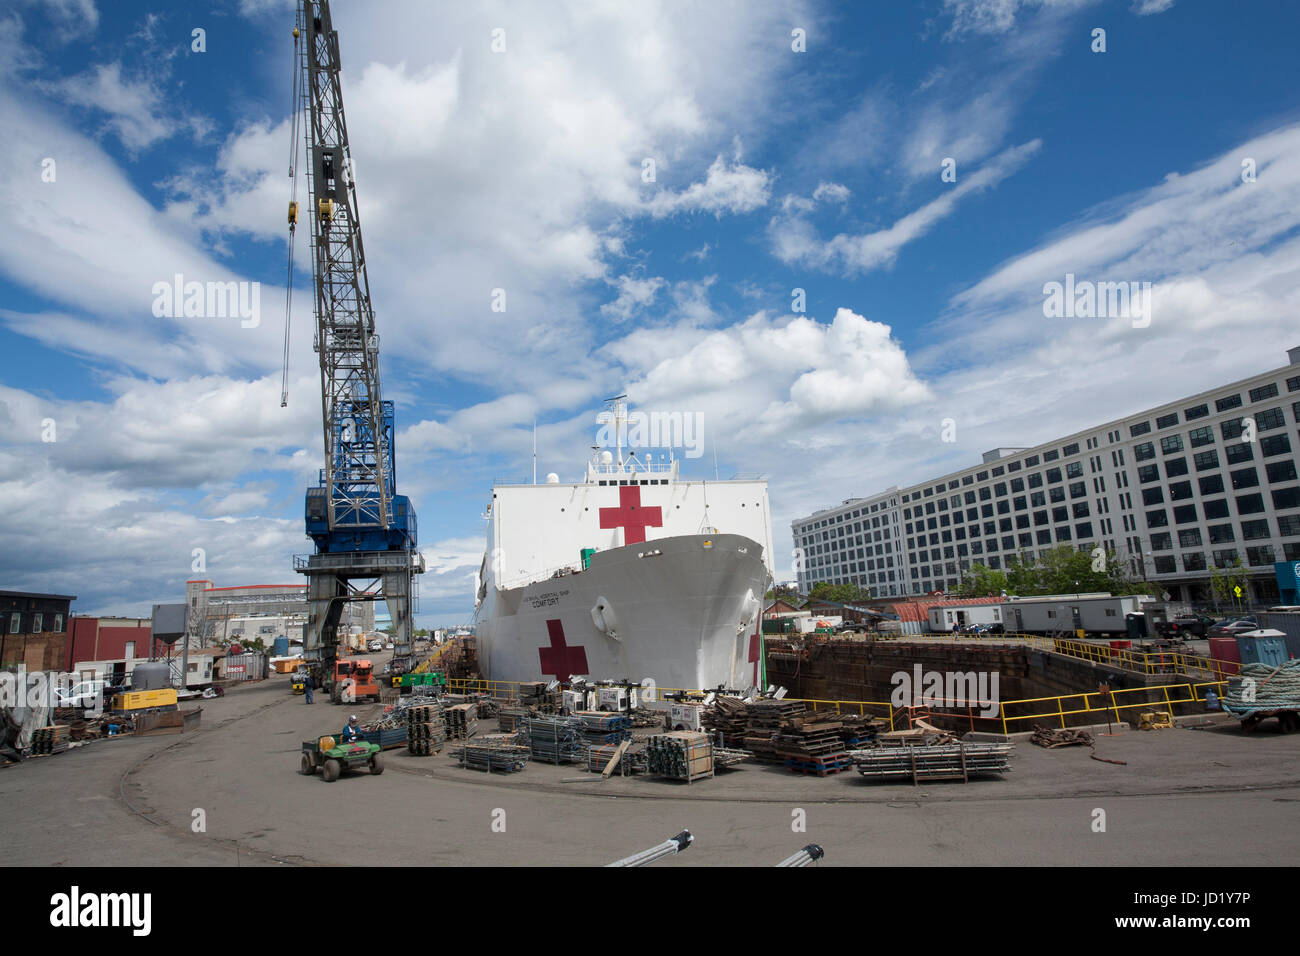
[
  {"x": 631, "y": 516},
  {"x": 559, "y": 660}
]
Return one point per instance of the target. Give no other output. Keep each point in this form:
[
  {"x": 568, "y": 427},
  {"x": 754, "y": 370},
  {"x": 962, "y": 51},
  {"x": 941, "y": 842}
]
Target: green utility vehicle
[{"x": 333, "y": 758}]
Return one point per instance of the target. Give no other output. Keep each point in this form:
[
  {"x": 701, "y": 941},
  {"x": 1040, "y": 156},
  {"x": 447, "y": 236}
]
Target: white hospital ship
[{"x": 631, "y": 573}]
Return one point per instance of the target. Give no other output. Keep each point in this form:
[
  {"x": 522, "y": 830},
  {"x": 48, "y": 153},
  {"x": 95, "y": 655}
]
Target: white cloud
[
  {"x": 735, "y": 189},
  {"x": 633, "y": 295},
  {"x": 1147, "y": 7},
  {"x": 794, "y": 239}
]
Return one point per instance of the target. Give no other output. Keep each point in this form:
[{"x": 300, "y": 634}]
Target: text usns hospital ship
[{"x": 630, "y": 573}]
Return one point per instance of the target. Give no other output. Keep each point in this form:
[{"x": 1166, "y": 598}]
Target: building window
[
  {"x": 1162, "y": 542},
  {"x": 58, "y": 623},
  {"x": 37, "y": 621},
  {"x": 1225, "y": 558},
  {"x": 1201, "y": 436},
  {"x": 1180, "y": 491},
  {"x": 1139, "y": 429},
  {"x": 1144, "y": 451},
  {"x": 1194, "y": 562},
  {"x": 1269, "y": 419},
  {"x": 1254, "y": 530},
  {"x": 1052, "y": 455},
  {"x": 1071, "y": 449},
  {"x": 1288, "y": 526},
  {"x": 1199, "y": 411},
  {"x": 1281, "y": 471},
  {"x": 1165, "y": 565},
  {"x": 15, "y": 622},
  {"x": 1184, "y": 514},
  {"x": 1083, "y": 530},
  {"x": 1250, "y": 504},
  {"x": 1245, "y": 478},
  {"x": 1190, "y": 538},
  {"x": 1274, "y": 445},
  {"x": 1171, "y": 444},
  {"x": 1157, "y": 519},
  {"x": 1286, "y": 498},
  {"x": 1148, "y": 473},
  {"x": 1263, "y": 392},
  {"x": 1221, "y": 534},
  {"x": 1236, "y": 454},
  {"x": 1216, "y": 509},
  {"x": 1206, "y": 459},
  {"x": 1153, "y": 496},
  {"x": 1261, "y": 555},
  {"x": 1227, "y": 402}
]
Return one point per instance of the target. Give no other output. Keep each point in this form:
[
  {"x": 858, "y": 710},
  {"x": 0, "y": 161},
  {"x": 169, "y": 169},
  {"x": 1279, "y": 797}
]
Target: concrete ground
[{"x": 1184, "y": 797}]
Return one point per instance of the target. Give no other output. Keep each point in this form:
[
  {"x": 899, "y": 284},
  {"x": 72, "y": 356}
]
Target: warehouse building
[
  {"x": 1178, "y": 489},
  {"x": 33, "y": 629}
]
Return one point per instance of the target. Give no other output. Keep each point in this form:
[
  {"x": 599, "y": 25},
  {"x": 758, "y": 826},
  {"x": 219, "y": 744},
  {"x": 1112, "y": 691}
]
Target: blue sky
[{"x": 521, "y": 170}]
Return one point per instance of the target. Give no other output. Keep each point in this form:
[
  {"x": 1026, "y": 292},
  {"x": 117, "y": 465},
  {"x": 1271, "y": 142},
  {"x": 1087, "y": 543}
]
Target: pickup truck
[
  {"x": 87, "y": 695},
  {"x": 1185, "y": 627}
]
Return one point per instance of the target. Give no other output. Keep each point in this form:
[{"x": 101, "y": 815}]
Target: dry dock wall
[{"x": 864, "y": 671}]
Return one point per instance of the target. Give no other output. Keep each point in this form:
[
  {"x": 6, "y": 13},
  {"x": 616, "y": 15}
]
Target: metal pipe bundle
[
  {"x": 555, "y": 739},
  {"x": 805, "y": 857},
  {"x": 597, "y": 720},
  {"x": 680, "y": 755},
  {"x": 940, "y": 761},
  {"x": 489, "y": 755},
  {"x": 425, "y": 729},
  {"x": 669, "y": 847}
]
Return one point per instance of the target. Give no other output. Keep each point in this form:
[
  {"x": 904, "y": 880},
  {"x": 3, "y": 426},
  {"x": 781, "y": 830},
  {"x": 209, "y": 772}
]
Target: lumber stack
[
  {"x": 462, "y": 721},
  {"x": 425, "y": 728},
  {"x": 50, "y": 740},
  {"x": 511, "y": 717},
  {"x": 680, "y": 755},
  {"x": 765, "y": 720},
  {"x": 1051, "y": 739},
  {"x": 728, "y": 716}
]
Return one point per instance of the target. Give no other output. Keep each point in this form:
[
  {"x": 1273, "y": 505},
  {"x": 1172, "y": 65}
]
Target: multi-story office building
[{"x": 1176, "y": 489}]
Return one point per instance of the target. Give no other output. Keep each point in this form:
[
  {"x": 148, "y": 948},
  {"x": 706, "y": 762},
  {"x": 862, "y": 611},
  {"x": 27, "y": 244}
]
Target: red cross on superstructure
[
  {"x": 630, "y": 516},
  {"x": 560, "y": 660}
]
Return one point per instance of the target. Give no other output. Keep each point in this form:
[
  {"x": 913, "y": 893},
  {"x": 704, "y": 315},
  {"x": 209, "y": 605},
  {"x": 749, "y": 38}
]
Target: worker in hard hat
[{"x": 352, "y": 731}]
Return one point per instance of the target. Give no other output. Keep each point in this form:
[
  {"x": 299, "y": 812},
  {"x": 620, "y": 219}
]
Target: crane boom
[{"x": 361, "y": 527}]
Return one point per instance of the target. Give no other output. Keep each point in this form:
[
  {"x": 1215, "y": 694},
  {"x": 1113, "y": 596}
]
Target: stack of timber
[
  {"x": 425, "y": 728},
  {"x": 634, "y": 759},
  {"x": 728, "y": 716},
  {"x": 955, "y": 761},
  {"x": 725, "y": 759},
  {"x": 494, "y": 752},
  {"x": 680, "y": 755},
  {"x": 555, "y": 739},
  {"x": 49, "y": 740},
  {"x": 812, "y": 745},
  {"x": 1051, "y": 739},
  {"x": 766, "y": 718},
  {"x": 462, "y": 721}
]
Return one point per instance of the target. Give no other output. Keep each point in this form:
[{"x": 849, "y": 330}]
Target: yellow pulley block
[{"x": 293, "y": 214}]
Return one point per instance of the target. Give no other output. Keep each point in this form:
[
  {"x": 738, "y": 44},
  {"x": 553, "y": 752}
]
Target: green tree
[
  {"x": 982, "y": 581},
  {"x": 838, "y": 593},
  {"x": 1225, "y": 581}
]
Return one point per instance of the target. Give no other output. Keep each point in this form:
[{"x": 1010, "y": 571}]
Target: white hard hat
[{"x": 352, "y": 718}]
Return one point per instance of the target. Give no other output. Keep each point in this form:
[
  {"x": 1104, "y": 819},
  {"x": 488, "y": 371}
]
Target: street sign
[{"x": 1237, "y": 590}]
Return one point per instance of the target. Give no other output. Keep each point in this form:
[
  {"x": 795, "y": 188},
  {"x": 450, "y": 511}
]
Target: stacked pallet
[
  {"x": 940, "y": 762},
  {"x": 425, "y": 728},
  {"x": 50, "y": 740},
  {"x": 462, "y": 721},
  {"x": 495, "y": 752},
  {"x": 812, "y": 745},
  {"x": 680, "y": 755},
  {"x": 556, "y": 739},
  {"x": 766, "y": 718},
  {"x": 728, "y": 716}
]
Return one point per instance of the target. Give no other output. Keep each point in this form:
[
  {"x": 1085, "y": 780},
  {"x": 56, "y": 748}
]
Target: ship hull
[{"x": 682, "y": 611}]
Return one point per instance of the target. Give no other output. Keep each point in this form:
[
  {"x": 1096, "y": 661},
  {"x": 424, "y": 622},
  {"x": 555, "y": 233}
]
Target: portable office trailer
[
  {"x": 945, "y": 618},
  {"x": 1094, "y": 614}
]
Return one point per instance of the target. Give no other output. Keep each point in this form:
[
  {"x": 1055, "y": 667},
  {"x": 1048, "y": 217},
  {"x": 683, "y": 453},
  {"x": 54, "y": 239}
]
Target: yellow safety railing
[{"x": 1097, "y": 705}]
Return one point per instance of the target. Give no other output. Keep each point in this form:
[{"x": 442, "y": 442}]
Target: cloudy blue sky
[{"x": 776, "y": 169}]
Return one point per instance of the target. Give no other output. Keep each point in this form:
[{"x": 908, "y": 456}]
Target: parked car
[
  {"x": 1233, "y": 627},
  {"x": 375, "y": 646},
  {"x": 388, "y": 646}
]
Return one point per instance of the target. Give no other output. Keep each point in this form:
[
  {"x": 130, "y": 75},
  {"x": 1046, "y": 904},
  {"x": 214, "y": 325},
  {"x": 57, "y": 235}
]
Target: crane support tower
[{"x": 364, "y": 532}]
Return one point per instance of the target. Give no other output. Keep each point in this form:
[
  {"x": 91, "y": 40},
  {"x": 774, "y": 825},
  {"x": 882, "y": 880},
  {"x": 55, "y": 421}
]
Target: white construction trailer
[
  {"x": 945, "y": 618},
  {"x": 1096, "y": 615}
]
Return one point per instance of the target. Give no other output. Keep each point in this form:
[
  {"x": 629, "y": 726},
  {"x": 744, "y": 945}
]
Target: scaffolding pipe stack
[
  {"x": 669, "y": 847},
  {"x": 556, "y": 739},
  {"x": 940, "y": 762},
  {"x": 494, "y": 753},
  {"x": 680, "y": 755},
  {"x": 425, "y": 730}
]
